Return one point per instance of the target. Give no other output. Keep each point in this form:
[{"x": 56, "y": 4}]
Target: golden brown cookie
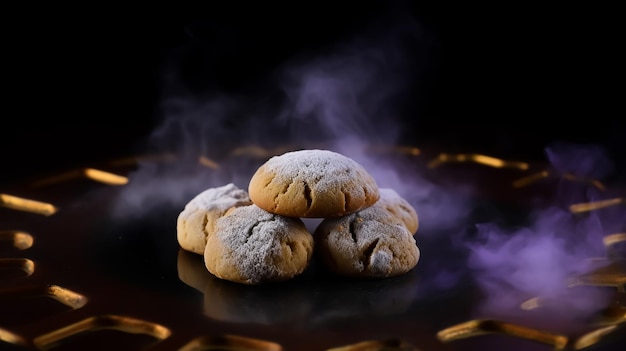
[
  {"x": 371, "y": 243},
  {"x": 312, "y": 184},
  {"x": 197, "y": 219},
  {"x": 400, "y": 208},
  {"x": 253, "y": 246}
]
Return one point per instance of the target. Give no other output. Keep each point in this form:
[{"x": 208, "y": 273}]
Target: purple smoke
[
  {"x": 350, "y": 96},
  {"x": 346, "y": 96},
  {"x": 540, "y": 260},
  {"x": 583, "y": 160}
]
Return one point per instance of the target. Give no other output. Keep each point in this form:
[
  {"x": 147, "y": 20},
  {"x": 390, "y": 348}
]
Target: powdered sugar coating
[
  {"x": 253, "y": 246},
  {"x": 197, "y": 220},
  {"x": 399, "y": 207},
  {"x": 371, "y": 243},
  {"x": 312, "y": 184}
]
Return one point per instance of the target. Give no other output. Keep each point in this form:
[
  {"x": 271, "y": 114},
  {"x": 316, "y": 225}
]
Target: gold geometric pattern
[
  {"x": 558, "y": 342},
  {"x": 15, "y": 238},
  {"x": 610, "y": 274},
  {"x": 96, "y": 175},
  {"x": 477, "y": 158},
  {"x": 65, "y": 296},
  {"x": 27, "y": 205},
  {"x": 535, "y": 177},
  {"x": 480, "y": 327},
  {"x": 378, "y": 345},
  {"x": 26, "y": 266},
  {"x": 92, "y": 324},
  {"x": 230, "y": 342},
  {"x": 596, "y": 205},
  {"x": 11, "y": 338}
]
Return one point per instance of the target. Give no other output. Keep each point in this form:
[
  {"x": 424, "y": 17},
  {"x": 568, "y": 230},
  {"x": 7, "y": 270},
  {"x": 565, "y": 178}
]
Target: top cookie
[{"x": 312, "y": 184}]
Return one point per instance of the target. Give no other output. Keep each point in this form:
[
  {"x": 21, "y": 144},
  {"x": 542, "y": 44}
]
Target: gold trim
[
  {"x": 114, "y": 322},
  {"x": 613, "y": 239},
  {"x": 479, "y": 327},
  {"x": 613, "y": 274},
  {"x": 595, "y": 205},
  {"x": 65, "y": 296},
  {"x": 107, "y": 178},
  {"x": 229, "y": 342},
  {"x": 20, "y": 240},
  {"x": 207, "y": 162},
  {"x": 11, "y": 338},
  {"x": 377, "y": 345},
  {"x": 477, "y": 158},
  {"x": 27, "y": 205},
  {"x": 594, "y": 337},
  {"x": 574, "y": 178},
  {"x": 533, "y": 178},
  {"x": 24, "y": 264},
  {"x": 532, "y": 303},
  {"x": 96, "y": 175}
]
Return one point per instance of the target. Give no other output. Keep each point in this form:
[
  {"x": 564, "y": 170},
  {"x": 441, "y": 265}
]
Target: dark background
[{"x": 84, "y": 83}]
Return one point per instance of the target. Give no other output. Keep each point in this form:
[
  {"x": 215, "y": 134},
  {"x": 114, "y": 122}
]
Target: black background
[{"x": 83, "y": 83}]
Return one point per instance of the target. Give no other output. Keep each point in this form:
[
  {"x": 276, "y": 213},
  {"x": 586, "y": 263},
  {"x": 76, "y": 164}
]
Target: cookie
[
  {"x": 371, "y": 243},
  {"x": 312, "y": 184},
  {"x": 253, "y": 246},
  {"x": 399, "y": 207},
  {"x": 197, "y": 219}
]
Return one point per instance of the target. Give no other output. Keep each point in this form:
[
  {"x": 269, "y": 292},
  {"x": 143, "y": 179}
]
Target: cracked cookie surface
[
  {"x": 371, "y": 243},
  {"x": 253, "y": 246},
  {"x": 312, "y": 184},
  {"x": 400, "y": 208},
  {"x": 197, "y": 220}
]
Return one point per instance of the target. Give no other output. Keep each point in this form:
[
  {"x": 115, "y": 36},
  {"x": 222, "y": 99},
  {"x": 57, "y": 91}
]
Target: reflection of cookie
[
  {"x": 236, "y": 303},
  {"x": 342, "y": 300},
  {"x": 265, "y": 304},
  {"x": 371, "y": 243},
  {"x": 197, "y": 219},
  {"x": 400, "y": 208},
  {"x": 191, "y": 270},
  {"x": 253, "y": 246},
  {"x": 312, "y": 184}
]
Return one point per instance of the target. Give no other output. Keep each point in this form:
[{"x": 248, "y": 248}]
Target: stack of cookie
[{"x": 258, "y": 236}]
